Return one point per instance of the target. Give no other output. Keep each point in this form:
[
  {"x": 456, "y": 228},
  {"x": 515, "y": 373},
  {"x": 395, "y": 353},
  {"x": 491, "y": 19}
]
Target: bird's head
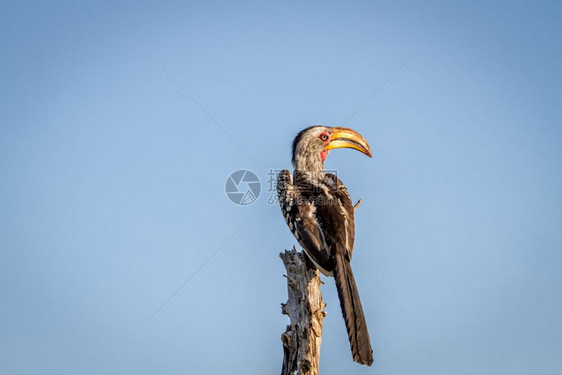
[{"x": 312, "y": 145}]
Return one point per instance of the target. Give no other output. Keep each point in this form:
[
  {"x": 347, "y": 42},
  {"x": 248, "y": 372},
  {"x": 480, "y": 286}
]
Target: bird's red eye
[{"x": 324, "y": 137}]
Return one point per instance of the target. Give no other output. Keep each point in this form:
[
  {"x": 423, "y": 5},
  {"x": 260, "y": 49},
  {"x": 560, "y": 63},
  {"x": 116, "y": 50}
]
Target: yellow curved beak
[{"x": 348, "y": 138}]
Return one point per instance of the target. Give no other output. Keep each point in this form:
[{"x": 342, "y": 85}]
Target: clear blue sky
[{"x": 112, "y": 182}]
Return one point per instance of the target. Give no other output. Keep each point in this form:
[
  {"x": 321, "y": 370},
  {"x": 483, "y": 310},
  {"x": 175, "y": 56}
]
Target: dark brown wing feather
[{"x": 300, "y": 215}]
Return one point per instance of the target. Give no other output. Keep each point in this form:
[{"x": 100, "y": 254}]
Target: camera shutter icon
[{"x": 243, "y": 187}]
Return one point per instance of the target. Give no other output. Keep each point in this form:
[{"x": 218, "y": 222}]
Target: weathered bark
[{"x": 305, "y": 308}]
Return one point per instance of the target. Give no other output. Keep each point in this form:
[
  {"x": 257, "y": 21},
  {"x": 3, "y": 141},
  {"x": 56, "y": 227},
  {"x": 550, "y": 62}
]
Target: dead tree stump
[{"x": 305, "y": 308}]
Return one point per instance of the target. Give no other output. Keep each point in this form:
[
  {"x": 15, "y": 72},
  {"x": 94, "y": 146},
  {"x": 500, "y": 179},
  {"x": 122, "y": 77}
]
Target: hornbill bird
[{"x": 318, "y": 210}]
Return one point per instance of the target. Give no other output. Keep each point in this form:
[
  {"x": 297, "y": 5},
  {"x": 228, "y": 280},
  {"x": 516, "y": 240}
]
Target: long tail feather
[{"x": 352, "y": 312}]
